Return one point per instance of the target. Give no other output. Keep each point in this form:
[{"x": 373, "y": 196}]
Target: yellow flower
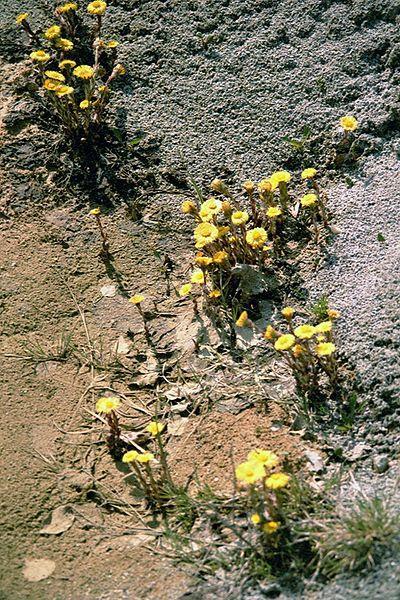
[
  {"x": 284, "y": 342},
  {"x": 309, "y": 173},
  {"x": 220, "y": 257},
  {"x": 84, "y": 104},
  {"x": 323, "y": 327},
  {"x": 249, "y": 186},
  {"x": 154, "y": 428},
  {"x": 217, "y": 185},
  {"x": 273, "y": 211},
  {"x": 83, "y": 72},
  {"x": 325, "y": 349},
  {"x": 288, "y": 312},
  {"x": 279, "y": 177},
  {"x": 240, "y": 217},
  {"x": 64, "y": 90},
  {"x": 185, "y": 289},
  {"x": 297, "y": 350},
  {"x": 265, "y": 457},
  {"x": 214, "y": 294},
  {"x": 223, "y": 231},
  {"x": 270, "y": 527},
  {"x": 305, "y": 332},
  {"x": 277, "y": 481},
  {"x": 145, "y": 457},
  {"x": 95, "y": 211},
  {"x": 332, "y": 313},
  {"x": 107, "y": 405},
  {"x": 120, "y": 69},
  {"x": 67, "y": 64},
  {"x": 308, "y": 200},
  {"x": 264, "y": 186},
  {"x": 188, "y": 207},
  {"x": 112, "y": 44},
  {"x": 197, "y": 276},
  {"x": 255, "y": 519},
  {"x": 203, "y": 261},
  {"x": 64, "y": 44},
  {"x": 137, "y": 299},
  {"x": 249, "y": 472},
  {"x": 212, "y": 206},
  {"x": 55, "y": 75},
  {"x": 50, "y": 84},
  {"x": 66, "y": 7},
  {"x": 39, "y": 56},
  {"x": 98, "y": 7},
  {"x": 52, "y": 32},
  {"x": 243, "y": 319},
  {"x": 349, "y": 123},
  {"x": 205, "y": 215},
  {"x": 270, "y": 333},
  {"x": 257, "y": 237},
  {"x": 205, "y": 233},
  {"x": 130, "y": 456},
  {"x": 22, "y": 17}
]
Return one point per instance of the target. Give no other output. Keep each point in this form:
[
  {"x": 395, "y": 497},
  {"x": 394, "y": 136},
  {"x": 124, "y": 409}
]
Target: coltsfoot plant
[
  {"x": 254, "y": 228},
  {"x": 74, "y": 67},
  {"x": 108, "y": 406}
]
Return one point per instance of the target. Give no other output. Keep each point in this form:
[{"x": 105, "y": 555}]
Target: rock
[
  {"x": 270, "y": 590},
  {"x": 315, "y": 461},
  {"x": 61, "y": 520},
  {"x": 108, "y": 291},
  {"x": 359, "y": 451},
  {"x": 122, "y": 345},
  {"x": 37, "y": 569},
  {"x": 177, "y": 426},
  {"x": 380, "y": 463}
]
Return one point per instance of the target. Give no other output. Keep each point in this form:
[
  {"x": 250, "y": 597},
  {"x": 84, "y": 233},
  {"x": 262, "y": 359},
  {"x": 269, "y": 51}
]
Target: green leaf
[
  {"x": 380, "y": 237},
  {"x": 136, "y": 140}
]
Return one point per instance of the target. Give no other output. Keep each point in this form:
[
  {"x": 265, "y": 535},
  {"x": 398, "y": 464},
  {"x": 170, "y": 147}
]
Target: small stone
[
  {"x": 108, "y": 291},
  {"x": 359, "y": 451},
  {"x": 315, "y": 461},
  {"x": 380, "y": 463}
]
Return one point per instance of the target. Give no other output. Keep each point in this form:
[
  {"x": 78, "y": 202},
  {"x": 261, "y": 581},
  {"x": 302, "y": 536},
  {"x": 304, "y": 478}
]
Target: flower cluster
[
  {"x": 78, "y": 92},
  {"x": 108, "y": 405},
  {"x": 263, "y": 482},
  {"x": 308, "y": 349}
]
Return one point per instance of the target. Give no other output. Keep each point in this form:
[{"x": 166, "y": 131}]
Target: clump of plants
[{"x": 74, "y": 68}]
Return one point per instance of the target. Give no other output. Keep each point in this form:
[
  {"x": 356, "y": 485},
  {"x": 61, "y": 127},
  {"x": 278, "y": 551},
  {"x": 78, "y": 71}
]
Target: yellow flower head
[
  {"x": 67, "y": 64},
  {"x": 55, "y": 75},
  {"x": 265, "y": 457},
  {"x": 270, "y": 527},
  {"x": 95, "y": 211},
  {"x": 249, "y": 186},
  {"x": 130, "y": 456},
  {"x": 84, "y": 104},
  {"x": 64, "y": 44},
  {"x": 277, "y": 481},
  {"x": 249, "y": 472},
  {"x": 107, "y": 405},
  {"x": 53, "y": 32},
  {"x": 68, "y": 6},
  {"x": 226, "y": 208},
  {"x": 270, "y": 333},
  {"x": 297, "y": 350},
  {"x": 145, "y": 457},
  {"x": 240, "y": 217},
  {"x": 112, "y": 44},
  {"x": 308, "y": 200},
  {"x": 325, "y": 348},
  {"x": 98, "y": 7},
  {"x": 279, "y": 177},
  {"x": 273, "y": 212},
  {"x": 205, "y": 233},
  {"x": 51, "y": 84},
  {"x": 154, "y": 428},
  {"x": 214, "y": 294},
  {"x": 64, "y": 90},
  {"x": 22, "y": 17},
  {"x": 257, "y": 237},
  {"x": 333, "y": 314},
  {"x": 223, "y": 231},
  {"x": 213, "y": 206},
  {"x": 197, "y": 276},
  {"x": 243, "y": 319},
  {"x": 120, "y": 69},
  {"x": 188, "y": 207},
  {"x": 284, "y": 342},
  {"x": 305, "y": 332},
  {"x": 220, "y": 257},
  {"x": 255, "y": 519},
  {"x": 217, "y": 185},
  {"x": 83, "y": 72},
  {"x": 323, "y": 327},
  {"x": 288, "y": 312},
  {"x": 264, "y": 186},
  {"x": 309, "y": 173},
  {"x": 205, "y": 215},
  {"x": 185, "y": 289},
  {"x": 39, "y": 56},
  {"x": 349, "y": 123},
  {"x": 137, "y": 299},
  {"x": 203, "y": 261}
]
